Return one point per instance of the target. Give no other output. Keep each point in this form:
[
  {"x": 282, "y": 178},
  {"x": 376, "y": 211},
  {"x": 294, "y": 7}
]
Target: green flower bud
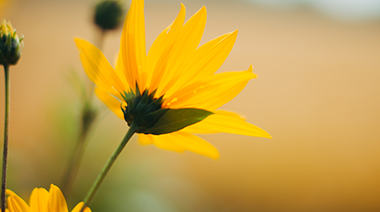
[
  {"x": 108, "y": 14},
  {"x": 10, "y": 45}
]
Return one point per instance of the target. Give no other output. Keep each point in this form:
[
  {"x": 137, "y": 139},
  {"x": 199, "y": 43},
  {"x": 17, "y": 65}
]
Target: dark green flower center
[
  {"x": 142, "y": 109},
  {"x": 147, "y": 116}
]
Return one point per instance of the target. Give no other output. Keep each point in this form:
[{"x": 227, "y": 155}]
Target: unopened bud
[
  {"x": 10, "y": 45},
  {"x": 108, "y": 14}
]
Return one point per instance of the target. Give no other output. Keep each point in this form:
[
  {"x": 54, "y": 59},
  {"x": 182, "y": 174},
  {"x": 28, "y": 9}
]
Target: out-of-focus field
[{"x": 318, "y": 94}]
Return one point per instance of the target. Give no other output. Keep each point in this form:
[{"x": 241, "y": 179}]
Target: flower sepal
[
  {"x": 146, "y": 113},
  {"x": 176, "y": 119}
]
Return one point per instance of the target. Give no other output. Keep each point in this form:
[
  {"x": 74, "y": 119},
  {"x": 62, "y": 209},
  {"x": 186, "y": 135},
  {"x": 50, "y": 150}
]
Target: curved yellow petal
[
  {"x": 97, "y": 67},
  {"x": 145, "y": 139},
  {"x": 79, "y": 206},
  {"x": 111, "y": 102},
  {"x": 195, "y": 128},
  {"x": 132, "y": 45},
  {"x": 211, "y": 92},
  {"x": 229, "y": 113},
  {"x": 227, "y": 123},
  {"x": 9, "y": 192},
  {"x": 206, "y": 60},
  {"x": 57, "y": 201},
  {"x": 211, "y": 55},
  {"x": 187, "y": 42},
  {"x": 181, "y": 141},
  {"x": 39, "y": 200},
  {"x": 160, "y": 49},
  {"x": 16, "y": 204}
]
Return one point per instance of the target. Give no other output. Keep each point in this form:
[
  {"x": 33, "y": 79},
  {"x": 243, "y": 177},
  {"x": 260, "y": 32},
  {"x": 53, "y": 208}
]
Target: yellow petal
[
  {"x": 132, "y": 45},
  {"x": 145, "y": 139},
  {"x": 181, "y": 141},
  {"x": 39, "y": 200},
  {"x": 211, "y": 92},
  {"x": 16, "y": 204},
  {"x": 206, "y": 60},
  {"x": 186, "y": 43},
  {"x": 160, "y": 49},
  {"x": 153, "y": 139},
  {"x": 57, "y": 201},
  {"x": 79, "y": 206},
  {"x": 9, "y": 192},
  {"x": 97, "y": 67},
  {"x": 195, "y": 128},
  {"x": 119, "y": 69},
  {"x": 229, "y": 113},
  {"x": 110, "y": 101},
  {"x": 228, "y": 123}
]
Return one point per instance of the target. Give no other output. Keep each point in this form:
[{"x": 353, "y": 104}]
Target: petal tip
[
  {"x": 265, "y": 134},
  {"x": 54, "y": 188},
  {"x": 9, "y": 192},
  {"x": 203, "y": 10},
  {"x": 250, "y": 70},
  {"x": 215, "y": 157},
  {"x": 79, "y": 42},
  {"x": 233, "y": 34}
]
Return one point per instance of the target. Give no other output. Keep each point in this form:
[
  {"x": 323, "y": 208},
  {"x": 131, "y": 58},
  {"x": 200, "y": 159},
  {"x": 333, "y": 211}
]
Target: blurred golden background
[{"x": 318, "y": 95}]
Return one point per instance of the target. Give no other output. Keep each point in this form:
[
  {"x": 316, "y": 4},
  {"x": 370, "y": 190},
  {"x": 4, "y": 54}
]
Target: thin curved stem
[
  {"x": 107, "y": 167},
  {"x": 6, "y": 136},
  {"x": 77, "y": 156},
  {"x": 88, "y": 116}
]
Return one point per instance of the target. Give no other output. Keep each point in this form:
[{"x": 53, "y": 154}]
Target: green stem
[
  {"x": 77, "y": 156},
  {"x": 88, "y": 116},
  {"x": 107, "y": 167},
  {"x": 100, "y": 38},
  {"x": 6, "y": 129}
]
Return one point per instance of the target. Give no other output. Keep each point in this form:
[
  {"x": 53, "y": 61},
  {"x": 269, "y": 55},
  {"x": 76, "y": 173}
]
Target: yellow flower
[
  {"x": 175, "y": 74},
  {"x": 41, "y": 201}
]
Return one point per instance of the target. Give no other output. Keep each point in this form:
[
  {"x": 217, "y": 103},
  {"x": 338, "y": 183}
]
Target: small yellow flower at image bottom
[
  {"x": 41, "y": 200},
  {"x": 172, "y": 91}
]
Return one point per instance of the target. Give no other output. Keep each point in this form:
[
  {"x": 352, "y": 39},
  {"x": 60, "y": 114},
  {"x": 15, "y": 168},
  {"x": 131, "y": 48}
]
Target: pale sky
[{"x": 341, "y": 9}]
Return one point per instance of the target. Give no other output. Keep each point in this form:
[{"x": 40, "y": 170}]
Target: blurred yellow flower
[
  {"x": 175, "y": 74},
  {"x": 41, "y": 201}
]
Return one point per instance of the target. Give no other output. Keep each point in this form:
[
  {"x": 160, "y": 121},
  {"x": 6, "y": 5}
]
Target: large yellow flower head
[
  {"x": 41, "y": 200},
  {"x": 173, "y": 83}
]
